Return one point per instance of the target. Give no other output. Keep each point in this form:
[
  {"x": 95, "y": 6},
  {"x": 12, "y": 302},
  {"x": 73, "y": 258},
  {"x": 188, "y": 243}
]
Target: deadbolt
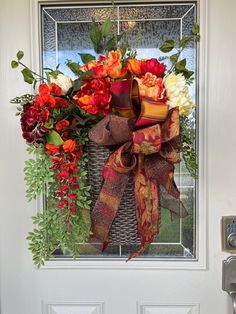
[
  {"x": 228, "y": 225},
  {"x": 232, "y": 239}
]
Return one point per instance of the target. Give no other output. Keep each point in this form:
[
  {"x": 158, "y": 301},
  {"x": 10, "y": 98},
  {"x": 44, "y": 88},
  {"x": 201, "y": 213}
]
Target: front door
[{"x": 186, "y": 275}]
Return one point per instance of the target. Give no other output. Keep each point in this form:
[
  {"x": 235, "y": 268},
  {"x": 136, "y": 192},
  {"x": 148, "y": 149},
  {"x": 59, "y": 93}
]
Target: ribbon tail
[
  {"x": 175, "y": 206},
  {"x": 147, "y": 210},
  {"x": 106, "y": 207}
]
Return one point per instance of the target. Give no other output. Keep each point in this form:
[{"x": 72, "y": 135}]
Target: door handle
[{"x": 229, "y": 279}]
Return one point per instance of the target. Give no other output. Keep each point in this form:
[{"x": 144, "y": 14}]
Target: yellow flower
[{"x": 178, "y": 94}]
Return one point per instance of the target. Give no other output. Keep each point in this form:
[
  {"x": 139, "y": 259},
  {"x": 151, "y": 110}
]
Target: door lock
[{"x": 228, "y": 226}]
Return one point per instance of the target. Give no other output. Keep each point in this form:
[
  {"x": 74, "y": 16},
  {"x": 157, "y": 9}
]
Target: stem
[
  {"x": 173, "y": 65},
  {"x": 41, "y": 77}
]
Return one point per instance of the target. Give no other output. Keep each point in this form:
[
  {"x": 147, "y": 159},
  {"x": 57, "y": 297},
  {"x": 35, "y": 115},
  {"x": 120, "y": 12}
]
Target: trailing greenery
[
  {"x": 55, "y": 230},
  {"x": 37, "y": 172},
  {"x": 188, "y": 139}
]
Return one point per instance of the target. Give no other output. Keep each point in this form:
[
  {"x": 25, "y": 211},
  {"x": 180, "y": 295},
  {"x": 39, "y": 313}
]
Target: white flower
[
  {"x": 63, "y": 81},
  {"x": 178, "y": 93}
]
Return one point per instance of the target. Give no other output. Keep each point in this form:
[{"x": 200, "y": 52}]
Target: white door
[{"x": 115, "y": 287}]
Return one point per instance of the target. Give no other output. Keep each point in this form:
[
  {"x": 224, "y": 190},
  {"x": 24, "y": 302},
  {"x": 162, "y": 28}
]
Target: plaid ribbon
[{"x": 149, "y": 154}]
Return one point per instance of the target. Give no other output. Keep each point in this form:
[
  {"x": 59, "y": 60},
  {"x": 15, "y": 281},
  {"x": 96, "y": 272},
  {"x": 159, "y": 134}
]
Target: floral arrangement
[{"x": 137, "y": 108}]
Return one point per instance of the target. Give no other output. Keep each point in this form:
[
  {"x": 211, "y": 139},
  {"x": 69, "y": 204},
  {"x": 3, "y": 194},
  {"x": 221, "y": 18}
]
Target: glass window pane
[{"x": 65, "y": 33}]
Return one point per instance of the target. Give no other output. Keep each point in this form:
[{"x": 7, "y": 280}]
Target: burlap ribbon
[{"x": 149, "y": 154}]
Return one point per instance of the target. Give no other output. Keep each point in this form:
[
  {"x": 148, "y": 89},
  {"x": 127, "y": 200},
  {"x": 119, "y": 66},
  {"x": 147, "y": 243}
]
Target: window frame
[{"x": 201, "y": 222}]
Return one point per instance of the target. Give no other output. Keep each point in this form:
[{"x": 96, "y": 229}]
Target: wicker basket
[{"x": 124, "y": 227}]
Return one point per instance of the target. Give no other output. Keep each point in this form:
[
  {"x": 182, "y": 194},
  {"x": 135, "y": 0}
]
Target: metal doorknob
[
  {"x": 232, "y": 239},
  {"x": 229, "y": 276}
]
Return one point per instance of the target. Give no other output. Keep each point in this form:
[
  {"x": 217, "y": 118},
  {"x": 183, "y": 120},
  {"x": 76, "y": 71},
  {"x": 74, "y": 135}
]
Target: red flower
[
  {"x": 152, "y": 66},
  {"x": 63, "y": 188},
  {"x": 63, "y": 175},
  {"x": 62, "y": 124},
  {"x": 73, "y": 196},
  {"x": 32, "y": 123},
  {"x": 94, "y": 96},
  {"x": 52, "y": 149}
]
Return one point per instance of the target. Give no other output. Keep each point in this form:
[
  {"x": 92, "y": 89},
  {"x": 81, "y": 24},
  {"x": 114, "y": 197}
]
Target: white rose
[
  {"x": 178, "y": 93},
  {"x": 63, "y": 81}
]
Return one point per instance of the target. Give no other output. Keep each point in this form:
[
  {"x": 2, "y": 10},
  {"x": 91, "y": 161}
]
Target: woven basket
[{"x": 124, "y": 227}]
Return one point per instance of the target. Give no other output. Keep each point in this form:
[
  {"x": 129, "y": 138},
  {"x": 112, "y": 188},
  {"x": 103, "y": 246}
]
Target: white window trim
[{"x": 202, "y": 218}]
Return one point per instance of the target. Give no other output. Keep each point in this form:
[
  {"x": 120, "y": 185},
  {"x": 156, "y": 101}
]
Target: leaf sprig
[
  {"x": 188, "y": 150},
  {"x": 29, "y": 76},
  {"x": 180, "y": 66}
]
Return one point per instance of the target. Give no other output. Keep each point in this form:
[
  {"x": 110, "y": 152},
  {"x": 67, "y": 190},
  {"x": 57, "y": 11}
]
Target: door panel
[{"x": 120, "y": 286}]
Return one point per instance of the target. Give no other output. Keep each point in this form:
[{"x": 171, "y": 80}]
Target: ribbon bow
[{"x": 149, "y": 154}]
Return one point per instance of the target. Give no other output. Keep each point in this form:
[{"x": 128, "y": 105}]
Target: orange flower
[
  {"x": 88, "y": 104},
  {"x": 152, "y": 87},
  {"x": 133, "y": 66},
  {"x": 94, "y": 97},
  {"x": 114, "y": 64},
  {"x": 98, "y": 67},
  {"x": 62, "y": 124},
  {"x": 69, "y": 146}
]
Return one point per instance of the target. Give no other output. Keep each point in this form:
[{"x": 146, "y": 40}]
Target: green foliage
[
  {"x": 179, "y": 66},
  {"x": 102, "y": 38},
  {"x": 14, "y": 64},
  {"x": 20, "y": 55},
  {"x": 106, "y": 28},
  {"x": 54, "y": 229},
  {"x": 73, "y": 66},
  {"x": 51, "y": 73},
  {"x": 77, "y": 85},
  {"x": 167, "y": 46},
  {"x": 37, "y": 172},
  {"x": 188, "y": 150},
  {"x": 86, "y": 57},
  {"x": 52, "y": 137},
  {"x": 24, "y": 99},
  {"x": 28, "y": 76}
]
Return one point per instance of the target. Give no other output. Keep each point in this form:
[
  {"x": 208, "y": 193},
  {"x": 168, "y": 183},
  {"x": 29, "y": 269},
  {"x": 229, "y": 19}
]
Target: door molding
[{"x": 202, "y": 218}]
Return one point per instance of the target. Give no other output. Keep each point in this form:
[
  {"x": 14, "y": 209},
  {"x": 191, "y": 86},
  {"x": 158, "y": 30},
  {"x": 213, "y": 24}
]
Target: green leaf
[
  {"x": 86, "y": 74},
  {"x": 77, "y": 85},
  {"x": 198, "y": 37},
  {"x": 174, "y": 58},
  {"x": 86, "y": 57},
  {"x": 184, "y": 40},
  {"x": 167, "y": 46},
  {"x": 24, "y": 99},
  {"x": 180, "y": 66},
  {"x": 112, "y": 43},
  {"x": 14, "y": 64},
  {"x": 195, "y": 29},
  {"x": 52, "y": 137},
  {"x": 48, "y": 125},
  {"x": 95, "y": 36},
  {"x": 20, "y": 54},
  {"x": 73, "y": 66},
  {"x": 53, "y": 73},
  {"x": 28, "y": 76},
  {"x": 106, "y": 28}
]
